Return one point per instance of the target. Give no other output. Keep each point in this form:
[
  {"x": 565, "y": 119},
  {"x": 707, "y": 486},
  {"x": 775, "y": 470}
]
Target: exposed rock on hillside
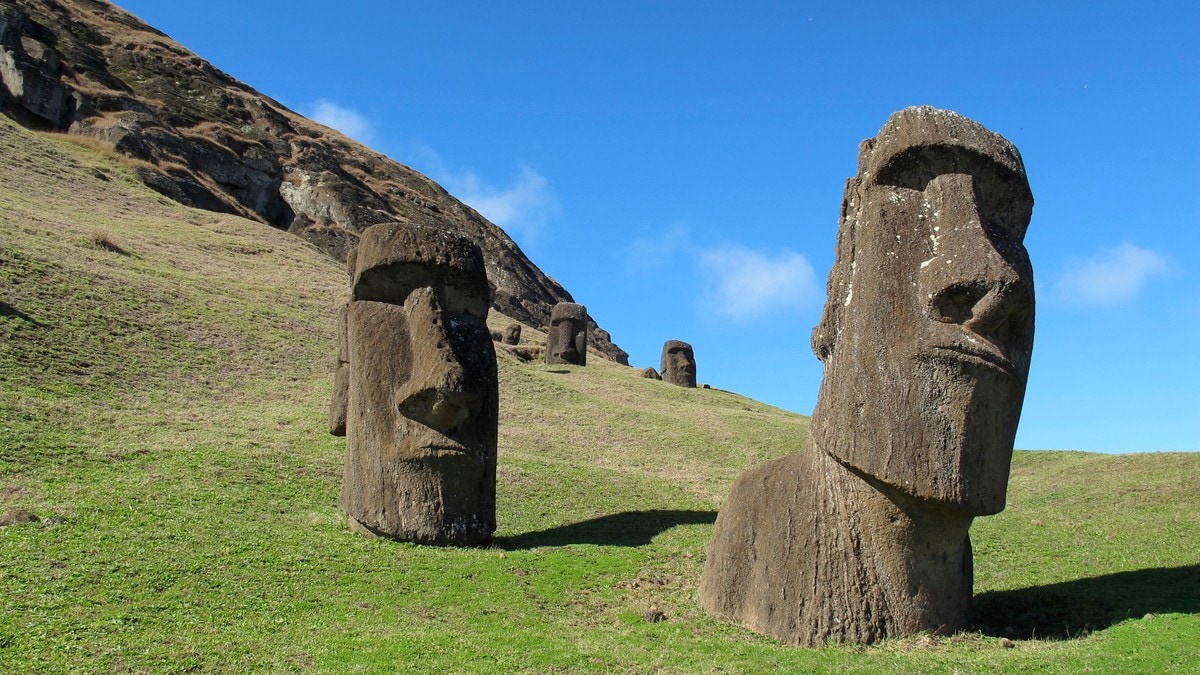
[{"x": 87, "y": 67}]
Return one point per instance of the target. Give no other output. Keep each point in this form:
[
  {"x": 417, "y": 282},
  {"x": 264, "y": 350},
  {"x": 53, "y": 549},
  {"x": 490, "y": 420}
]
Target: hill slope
[
  {"x": 206, "y": 140},
  {"x": 164, "y": 373}
]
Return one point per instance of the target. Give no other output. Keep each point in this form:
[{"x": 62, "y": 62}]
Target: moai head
[
  {"x": 566, "y": 341},
  {"x": 678, "y": 363},
  {"x": 423, "y": 403},
  {"x": 928, "y": 328},
  {"x": 512, "y": 334}
]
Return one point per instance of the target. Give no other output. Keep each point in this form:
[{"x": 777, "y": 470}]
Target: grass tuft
[{"x": 103, "y": 240}]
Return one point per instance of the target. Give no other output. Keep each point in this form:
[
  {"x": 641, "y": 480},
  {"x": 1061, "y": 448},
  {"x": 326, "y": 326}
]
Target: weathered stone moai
[
  {"x": 926, "y": 338},
  {"x": 420, "y": 389},
  {"x": 650, "y": 373},
  {"x": 512, "y": 334},
  {"x": 341, "y": 379},
  {"x": 678, "y": 364},
  {"x": 566, "y": 341}
]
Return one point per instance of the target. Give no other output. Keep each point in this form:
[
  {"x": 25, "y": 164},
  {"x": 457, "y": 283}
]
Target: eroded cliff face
[{"x": 87, "y": 67}]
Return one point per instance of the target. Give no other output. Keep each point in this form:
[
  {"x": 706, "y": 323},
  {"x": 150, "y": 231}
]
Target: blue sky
[{"x": 678, "y": 166}]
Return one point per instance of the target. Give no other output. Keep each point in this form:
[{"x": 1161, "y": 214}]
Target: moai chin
[
  {"x": 678, "y": 364},
  {"x": 926, "y": 338},
  {"x": 420, "y": 390},
  {"x": 566, "y": 341}
]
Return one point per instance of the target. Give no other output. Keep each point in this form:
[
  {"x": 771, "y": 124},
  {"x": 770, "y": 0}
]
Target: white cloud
[
  {"x": 742, "y": 284},
  {"x": 1110, "y": 277},
  {"x": 346, "y": 120},
  {"x": 648, "y": 253},
  {"x": 520, "y": 208}
]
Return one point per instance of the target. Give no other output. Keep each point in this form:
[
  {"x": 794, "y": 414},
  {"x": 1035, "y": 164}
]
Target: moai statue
[
  {"x": 421, "y": 390},
  {"x": 926, "y": 337},
  {"x": 650, "y": 373},
  {"x": 566, "y": 341},
  {"x": 678, "y": 364},
  {"x": 341, "y": 379},
  {"x": 341, "y": 372},
  {"x": 512, "y": 334}
]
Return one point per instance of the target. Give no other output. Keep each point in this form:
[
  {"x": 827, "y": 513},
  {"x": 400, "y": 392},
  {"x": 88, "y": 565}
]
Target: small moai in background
[
  {"x": 512, "y": 334},
  {"x": 566, "y": 341},
  {"x": 650, "y": 373},
  {"x": 679, "y": 364},
  {"x": 420, "y": 389}
]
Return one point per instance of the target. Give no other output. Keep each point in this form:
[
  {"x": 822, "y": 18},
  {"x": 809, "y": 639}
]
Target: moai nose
[
  {"x": 968, "y": 281},
  {"x": 437, "y": 397},
  {"x": 986, "y": 309},
  {"x": 439, "y": 409}
]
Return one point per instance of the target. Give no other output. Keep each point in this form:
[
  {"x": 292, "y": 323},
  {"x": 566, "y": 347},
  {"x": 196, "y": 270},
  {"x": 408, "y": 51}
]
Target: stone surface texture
[
  {"x": 421, "y": 393},
  {"x": 89, "y": 68},
  {"x": 678, "y": 364},
  {"x": 567, "y": 339},
  {"x": 926, "y": 338}
]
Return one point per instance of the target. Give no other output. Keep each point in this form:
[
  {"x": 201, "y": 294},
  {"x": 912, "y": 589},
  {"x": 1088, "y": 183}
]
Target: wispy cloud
[
  {"x": 654, "y": 252},
  {"x": 521, "y": 207},
  {"x": 742, "y": 284},
  {"x": 1110, "y": 277},
  {"x": 346, "y": 120}
]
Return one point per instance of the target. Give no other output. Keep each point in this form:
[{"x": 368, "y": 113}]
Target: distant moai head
[
  {"x": 512, "y": 334},
  {"x": 566, "y": 341},
  {"x": 678, "y": 363},
  {"x": 422, "y": 412},
  {"x": 928, "y": 328}
]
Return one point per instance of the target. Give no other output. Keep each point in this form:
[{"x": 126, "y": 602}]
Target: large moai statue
[
  {"x": 566, "y": 341},
  {"x": 678, "y": 364},
  {"x": 420, "y": 389},
  {"x": 926, "y": 338}
]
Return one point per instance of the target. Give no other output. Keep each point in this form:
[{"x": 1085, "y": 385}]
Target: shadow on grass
[
  {"x": 1075, "y": 608},
  {"x": 630, "y": 528},
  {"x": 8, "y": 310}
]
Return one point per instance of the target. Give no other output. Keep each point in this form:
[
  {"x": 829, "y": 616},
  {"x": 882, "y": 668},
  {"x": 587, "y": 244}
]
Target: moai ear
[{"x": 839, "y": 287}]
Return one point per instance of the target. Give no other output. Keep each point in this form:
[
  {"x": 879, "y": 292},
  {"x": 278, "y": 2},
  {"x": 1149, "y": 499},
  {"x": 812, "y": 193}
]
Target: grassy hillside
[{"x": 164, "y": 374}]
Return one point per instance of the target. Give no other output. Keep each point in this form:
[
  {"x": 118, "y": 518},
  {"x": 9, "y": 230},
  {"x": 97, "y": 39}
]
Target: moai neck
[{"x": 885, "y": 565}]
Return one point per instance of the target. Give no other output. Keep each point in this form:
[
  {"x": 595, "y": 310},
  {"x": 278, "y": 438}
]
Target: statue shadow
[
  {"x": 629, "y": 528},
  {"x": 8, "y": 310},
  {"x": 1073, "y": 609}
]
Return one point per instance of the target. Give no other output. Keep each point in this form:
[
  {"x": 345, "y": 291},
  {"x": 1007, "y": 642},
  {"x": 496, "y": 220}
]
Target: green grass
[{"x": 162, "y": 410}]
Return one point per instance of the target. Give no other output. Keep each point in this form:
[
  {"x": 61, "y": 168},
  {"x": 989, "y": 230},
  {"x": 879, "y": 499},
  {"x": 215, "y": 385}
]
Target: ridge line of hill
[{"x": 204, "y": 139}]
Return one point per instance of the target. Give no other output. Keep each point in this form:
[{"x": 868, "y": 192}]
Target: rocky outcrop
[{"x": 87, "y": 67}]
